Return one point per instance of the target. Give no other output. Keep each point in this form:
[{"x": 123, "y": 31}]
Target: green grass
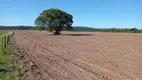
[
  {"x": 8, "y": 65},
  {"x": 1, "y": 33}
]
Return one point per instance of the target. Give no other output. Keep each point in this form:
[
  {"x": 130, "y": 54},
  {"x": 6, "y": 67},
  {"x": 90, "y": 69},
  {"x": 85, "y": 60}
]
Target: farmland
[{"x": 79, "y": 55}]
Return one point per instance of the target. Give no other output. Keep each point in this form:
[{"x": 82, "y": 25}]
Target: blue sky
[{"x": 92, "y": 13}]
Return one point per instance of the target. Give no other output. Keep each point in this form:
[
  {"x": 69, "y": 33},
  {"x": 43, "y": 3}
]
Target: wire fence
[{"x": 5, "y": 40}]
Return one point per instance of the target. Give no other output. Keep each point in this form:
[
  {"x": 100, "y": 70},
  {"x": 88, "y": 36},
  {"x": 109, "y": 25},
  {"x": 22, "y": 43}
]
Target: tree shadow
[{"x": 77, "y": 34}]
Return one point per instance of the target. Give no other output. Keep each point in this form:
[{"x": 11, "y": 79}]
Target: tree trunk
[{"x": 57, "y": 32}]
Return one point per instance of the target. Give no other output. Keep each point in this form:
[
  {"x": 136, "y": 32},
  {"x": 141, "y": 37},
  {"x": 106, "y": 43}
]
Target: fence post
[
  {"x": 11, "y": 35},
  {"x": 4, "y": 41},
  {"x": 7, "y": 39}
]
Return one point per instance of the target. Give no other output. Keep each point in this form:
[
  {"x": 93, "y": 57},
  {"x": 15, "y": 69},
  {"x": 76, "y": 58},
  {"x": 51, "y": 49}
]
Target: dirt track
[{"x": 79, "y": 56}]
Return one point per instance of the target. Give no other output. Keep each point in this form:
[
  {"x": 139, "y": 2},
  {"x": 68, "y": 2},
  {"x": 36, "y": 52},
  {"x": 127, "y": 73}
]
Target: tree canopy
[{"x": 54, "y": 20}]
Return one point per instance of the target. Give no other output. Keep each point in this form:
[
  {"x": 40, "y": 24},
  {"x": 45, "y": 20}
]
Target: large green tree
[{"x": 54, "y": 20}]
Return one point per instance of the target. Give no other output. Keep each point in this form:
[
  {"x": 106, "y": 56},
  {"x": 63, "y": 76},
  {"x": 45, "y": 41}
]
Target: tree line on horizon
[
  {"x": 122, "y": 30},
  {"x": 76, "y": 29},
  {"x": 17, "y": 28}
]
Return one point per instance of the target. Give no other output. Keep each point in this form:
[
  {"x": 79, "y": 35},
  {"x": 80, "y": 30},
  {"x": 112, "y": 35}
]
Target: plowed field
[{"x": 79, "y": 55}]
